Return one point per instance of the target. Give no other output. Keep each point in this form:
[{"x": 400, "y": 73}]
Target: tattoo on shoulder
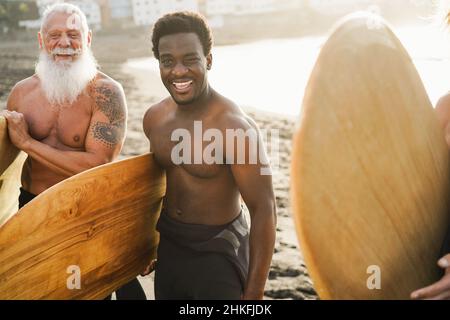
[
  {"x": 110, "y": 103},
  {"x": 106, "y": 133}
]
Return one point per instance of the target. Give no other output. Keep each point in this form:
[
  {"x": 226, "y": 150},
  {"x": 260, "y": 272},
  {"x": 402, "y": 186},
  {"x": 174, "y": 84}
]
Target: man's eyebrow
[
  {"x": 192, "y": 54},
  {"x": 187, "y": 55}
]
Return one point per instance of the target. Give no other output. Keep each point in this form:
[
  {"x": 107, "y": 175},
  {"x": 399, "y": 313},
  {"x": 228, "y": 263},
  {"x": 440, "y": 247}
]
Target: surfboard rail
[{"x": 11, "y": 162}]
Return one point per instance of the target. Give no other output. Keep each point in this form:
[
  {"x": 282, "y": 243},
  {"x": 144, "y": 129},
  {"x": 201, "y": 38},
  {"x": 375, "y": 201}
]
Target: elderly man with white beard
[{"x": 68, "y": 117}]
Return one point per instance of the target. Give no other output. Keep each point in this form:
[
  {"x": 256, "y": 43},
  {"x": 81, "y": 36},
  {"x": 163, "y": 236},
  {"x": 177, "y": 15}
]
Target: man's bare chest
[
  {"x": 188, "y": 147},
  {"x": 57, "y": 126}
]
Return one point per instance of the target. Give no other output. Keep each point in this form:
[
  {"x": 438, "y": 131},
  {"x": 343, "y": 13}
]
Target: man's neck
[{"x": 200, "y": 105}]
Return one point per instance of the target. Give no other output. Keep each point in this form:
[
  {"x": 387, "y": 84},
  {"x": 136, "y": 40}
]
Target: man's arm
[
  {"x": 443, "y": 114},
  {"x": 151, "y": 118},
  {"x": 440, "y": 289},
  {"x": 147, "y": 124},
  {"x": 257, "y": 192},
  {"x": 16, "y": 93},
  {"x": 104, "y": 138}
]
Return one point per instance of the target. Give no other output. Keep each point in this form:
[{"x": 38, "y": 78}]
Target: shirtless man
[
  {"x": 207, "y": 250},
  {"x": 441, "y": 289},
  {"x": 68, "y": 117}
]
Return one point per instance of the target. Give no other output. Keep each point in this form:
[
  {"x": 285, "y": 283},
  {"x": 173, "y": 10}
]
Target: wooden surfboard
[
  {"x": 99, "y": 225},
  {"x": 11, "y": 162},
  {"x": 370, "y": 169}
]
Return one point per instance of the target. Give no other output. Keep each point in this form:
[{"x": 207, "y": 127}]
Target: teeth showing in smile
[{"x": 182, "y": 85}]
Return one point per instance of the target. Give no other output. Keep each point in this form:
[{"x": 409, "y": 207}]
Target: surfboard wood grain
[
  {"x": 370, "y": 169},
  {"x": 98, "y": 225}
]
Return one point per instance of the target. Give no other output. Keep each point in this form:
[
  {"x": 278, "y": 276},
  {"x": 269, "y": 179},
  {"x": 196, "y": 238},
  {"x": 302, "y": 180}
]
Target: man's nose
[
  {"x": 64, "y": 41},
  {"x": 179, "y": 69}
]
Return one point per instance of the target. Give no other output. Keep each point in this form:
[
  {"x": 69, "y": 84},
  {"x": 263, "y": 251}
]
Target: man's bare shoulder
[
  {"x": 158, "y": 109},
  {"x": 155, "y": 112},
  {"x": 102, "y": 81},
  {"x": 231, "y": 116},
  {"x": 28, "y": 83},
  {"x": 20, "y": 90},
  {"x": 109, "y": 97}
]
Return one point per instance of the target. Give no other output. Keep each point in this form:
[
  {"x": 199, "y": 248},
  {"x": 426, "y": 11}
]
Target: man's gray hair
[{"x": 69, "y": 9}]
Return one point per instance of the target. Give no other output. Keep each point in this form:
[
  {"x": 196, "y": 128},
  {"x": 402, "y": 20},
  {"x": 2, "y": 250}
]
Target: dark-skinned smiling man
[{"x": 207, "y": 248}]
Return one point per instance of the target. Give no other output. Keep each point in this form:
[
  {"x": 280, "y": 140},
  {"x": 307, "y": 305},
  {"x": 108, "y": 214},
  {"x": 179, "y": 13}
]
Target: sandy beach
[{"x": 288, "y": 277}]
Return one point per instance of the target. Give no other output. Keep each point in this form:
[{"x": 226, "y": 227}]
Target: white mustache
[{"x": 66, "y": 51}]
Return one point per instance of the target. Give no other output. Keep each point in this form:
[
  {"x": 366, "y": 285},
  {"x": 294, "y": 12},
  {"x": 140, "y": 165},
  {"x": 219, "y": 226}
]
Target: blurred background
[
  {"x": 271, "y": 44},
  {"x": 263, "y": 55}
]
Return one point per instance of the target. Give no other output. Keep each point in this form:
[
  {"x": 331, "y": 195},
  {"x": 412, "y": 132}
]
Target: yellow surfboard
[
  {"x": 370, "y": 169},
  {"x": 86, "y": 236},
  {"x": 11, "y": 162}
]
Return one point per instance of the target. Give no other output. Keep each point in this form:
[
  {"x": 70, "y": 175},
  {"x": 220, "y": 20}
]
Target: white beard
[{"x": 64, "y": 81}]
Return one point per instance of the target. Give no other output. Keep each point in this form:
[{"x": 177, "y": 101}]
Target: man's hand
[
  {"x": 439, "y": 290},
  {"x": 150, "y": 268},
  {"x": 17, "y": 128}
]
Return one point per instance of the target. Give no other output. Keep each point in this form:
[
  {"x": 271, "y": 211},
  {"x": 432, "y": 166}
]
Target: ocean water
[{"x": 272, "y": 74}]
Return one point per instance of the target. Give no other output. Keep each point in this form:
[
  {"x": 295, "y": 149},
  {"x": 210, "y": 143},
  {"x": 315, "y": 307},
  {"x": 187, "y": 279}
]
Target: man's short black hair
[{"x": 182, "y": 22}]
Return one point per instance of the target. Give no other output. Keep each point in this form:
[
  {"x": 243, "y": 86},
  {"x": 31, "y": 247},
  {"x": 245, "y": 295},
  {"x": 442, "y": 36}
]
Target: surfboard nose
[{"x": 363, "y": 30}]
